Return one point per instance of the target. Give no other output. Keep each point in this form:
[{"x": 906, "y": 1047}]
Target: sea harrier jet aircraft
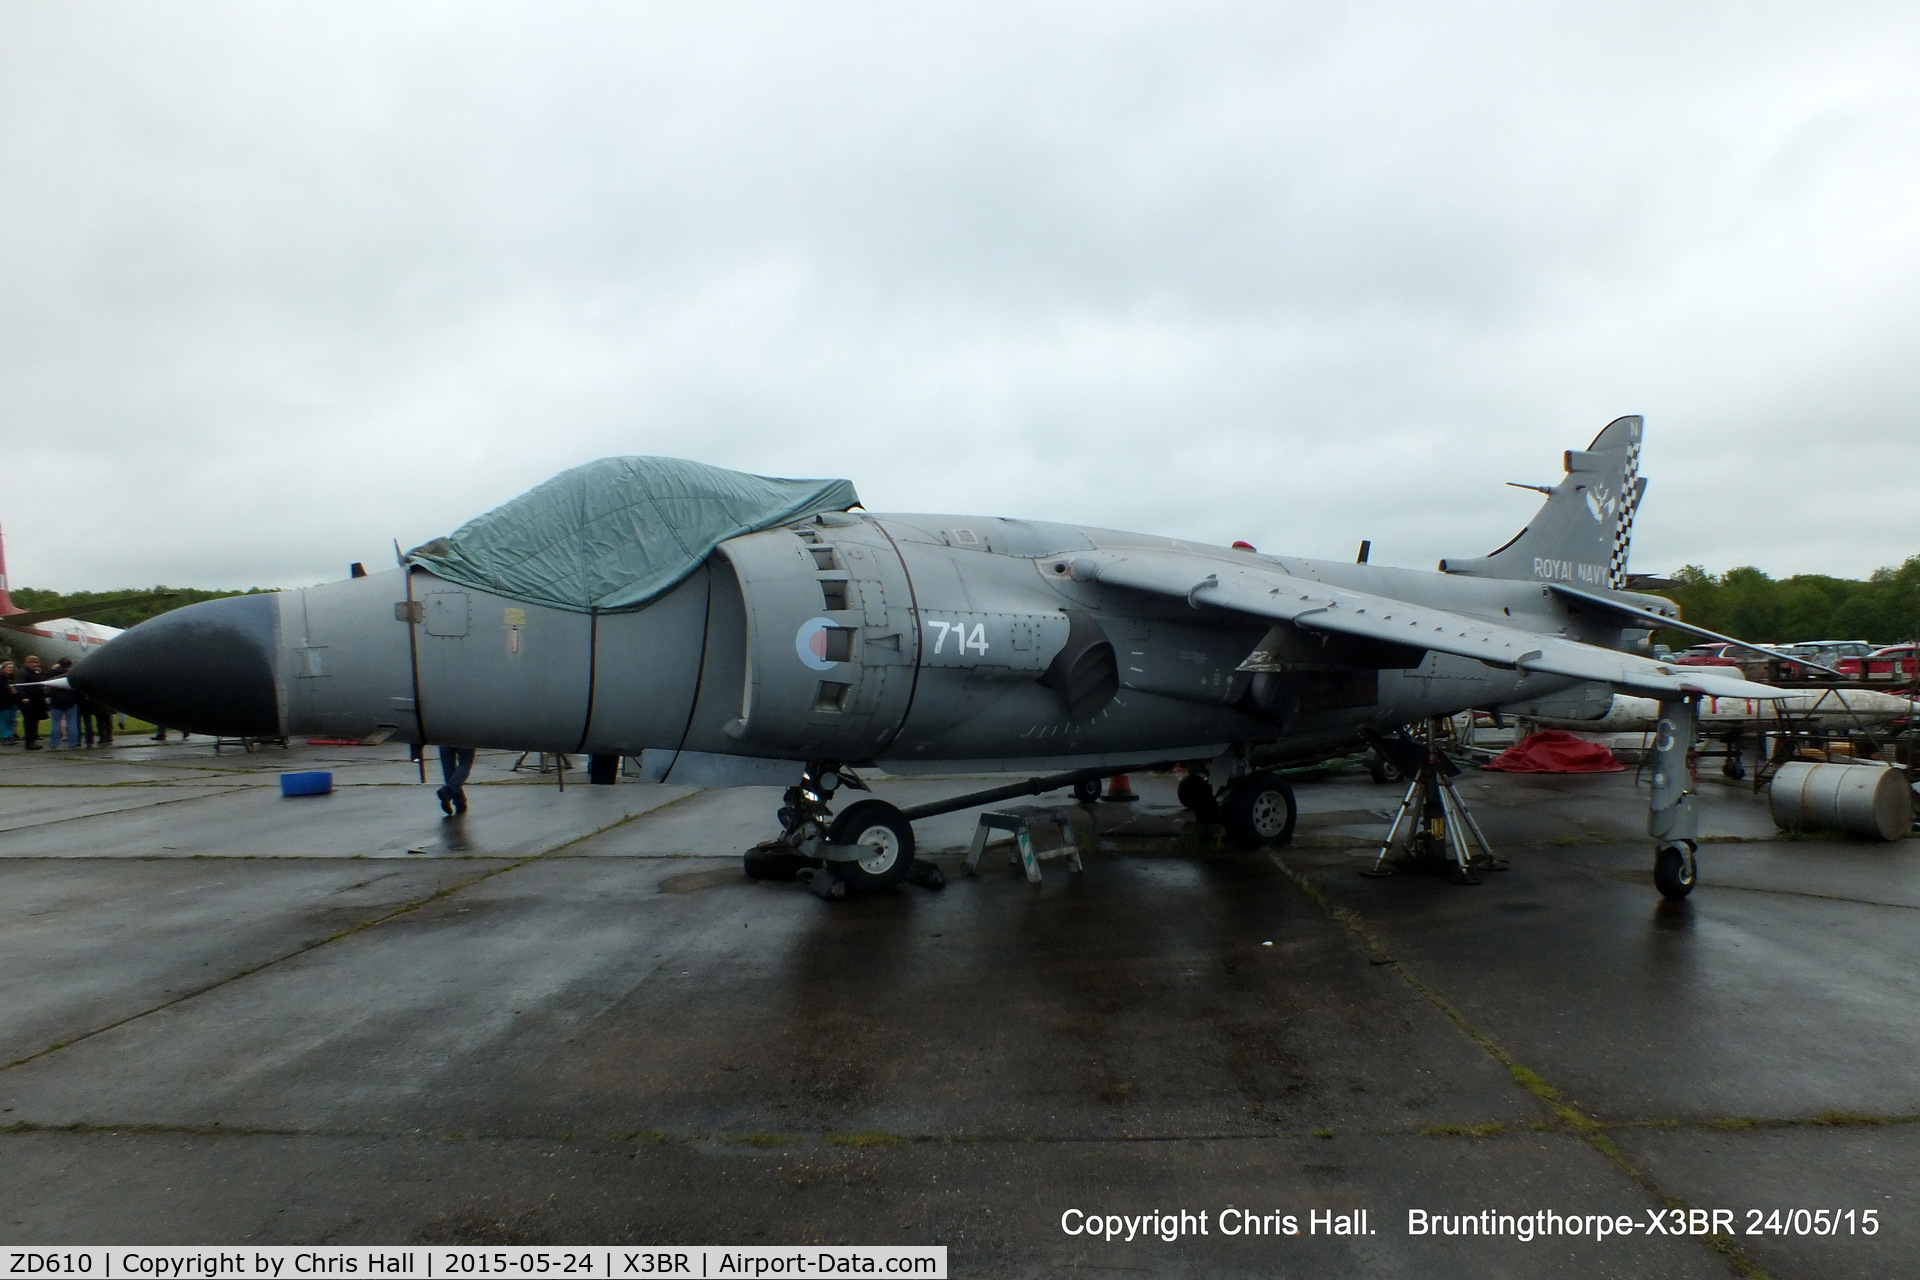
[{"x": 729, "y": 629}]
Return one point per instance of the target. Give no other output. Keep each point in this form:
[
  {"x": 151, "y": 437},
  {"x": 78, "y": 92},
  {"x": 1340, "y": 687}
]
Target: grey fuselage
[{"x": 917, "y": 643}]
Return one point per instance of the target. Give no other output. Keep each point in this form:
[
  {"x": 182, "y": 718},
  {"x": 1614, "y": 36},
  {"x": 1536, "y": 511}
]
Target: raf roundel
[{"x": 810, "y": 642}]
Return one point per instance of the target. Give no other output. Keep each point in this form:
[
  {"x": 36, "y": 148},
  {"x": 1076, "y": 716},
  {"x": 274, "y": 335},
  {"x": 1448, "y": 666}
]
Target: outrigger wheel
[
  {"x": 885, "y": 830},
  {"x": 1674, "y": 870},
  {"x": 1259, "y": 811},
  {"x": 1087, "y": 790}
]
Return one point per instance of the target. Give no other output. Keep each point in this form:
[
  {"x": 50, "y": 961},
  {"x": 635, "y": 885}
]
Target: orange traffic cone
[{"x": 1118, "y": 788}]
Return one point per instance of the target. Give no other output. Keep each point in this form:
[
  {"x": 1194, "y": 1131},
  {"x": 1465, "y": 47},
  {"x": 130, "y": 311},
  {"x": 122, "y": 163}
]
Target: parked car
[
  {"x": 1894, "y": 663},
  {"x": 1708, "y": 655},
  {"x": 1826, "y": 653}
]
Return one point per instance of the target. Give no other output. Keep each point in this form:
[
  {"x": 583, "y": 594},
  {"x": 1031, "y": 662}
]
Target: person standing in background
[
  {"x": 456, "y": 763},
  {"x": 96, "y": 723},
  {"x": 64, "y": 705},
  {"x": 32, "y": 700},
  {"x": 9, "y": 704}
]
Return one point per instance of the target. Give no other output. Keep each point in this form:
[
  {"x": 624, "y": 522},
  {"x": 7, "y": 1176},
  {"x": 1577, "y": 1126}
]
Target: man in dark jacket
[{"x": 33, "y": 701}]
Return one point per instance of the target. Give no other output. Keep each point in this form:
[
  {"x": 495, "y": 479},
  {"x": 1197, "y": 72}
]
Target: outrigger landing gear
[
  {"x": 1674, "y": 870},
  {"x": 1438, "y": 825},
  {"x": 1671, "y": 820}
]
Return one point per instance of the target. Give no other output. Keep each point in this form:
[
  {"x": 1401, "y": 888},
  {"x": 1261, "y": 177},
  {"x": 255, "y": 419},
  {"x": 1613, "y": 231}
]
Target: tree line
[
  {"x": 35, "y": 600},
  {"x": 1747, "y": 604}
]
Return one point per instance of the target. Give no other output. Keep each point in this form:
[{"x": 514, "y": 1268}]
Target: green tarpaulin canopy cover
[{"x": 617, "y": 533}]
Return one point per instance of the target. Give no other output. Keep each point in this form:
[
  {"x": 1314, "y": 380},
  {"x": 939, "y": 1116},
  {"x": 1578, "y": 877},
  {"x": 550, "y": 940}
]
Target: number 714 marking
[{"x": 964, "y": 640}]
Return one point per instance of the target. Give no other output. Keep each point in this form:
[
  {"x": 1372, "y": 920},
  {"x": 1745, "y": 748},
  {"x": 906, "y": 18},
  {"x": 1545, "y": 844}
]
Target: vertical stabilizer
[
  {"x": 6, "y": 596},
  {"x": 1582, "y": 533}
]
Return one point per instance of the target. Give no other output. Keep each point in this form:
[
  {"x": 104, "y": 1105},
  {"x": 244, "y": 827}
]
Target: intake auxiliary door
[
  {"x": 497, "y": 672},
  {"x": 831, "y": 643}
]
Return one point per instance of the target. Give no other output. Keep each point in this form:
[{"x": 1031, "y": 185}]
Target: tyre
[
  {"x": 1673, "y": 872},
  {"x": 1259, "y": 812},
  {"x": 1382, "y": 769},
  {"x": 1087, "y": 790},
  {"x": 883, "y": 829},
  {"x": 774, "y": 864},
  {"x": 1196, "y": 793}
]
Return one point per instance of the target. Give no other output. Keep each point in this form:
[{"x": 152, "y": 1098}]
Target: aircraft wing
[
  {"x": 1264, "y": 591},
  {"x": 1637, "y": 615}
]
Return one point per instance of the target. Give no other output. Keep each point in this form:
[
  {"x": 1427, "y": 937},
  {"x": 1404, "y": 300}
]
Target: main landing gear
[{"x": 1257, "y": 810}]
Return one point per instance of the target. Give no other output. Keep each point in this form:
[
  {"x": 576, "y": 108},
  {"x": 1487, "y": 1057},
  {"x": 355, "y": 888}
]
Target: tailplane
[{"x": 1581, "y": 535}]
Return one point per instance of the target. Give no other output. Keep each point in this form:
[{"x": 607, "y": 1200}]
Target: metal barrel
[{"x": 1864, "y": 800}]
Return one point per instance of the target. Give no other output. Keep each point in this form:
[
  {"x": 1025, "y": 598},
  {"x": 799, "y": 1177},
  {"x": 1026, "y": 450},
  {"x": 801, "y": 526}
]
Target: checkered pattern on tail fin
[{"x": 1630, "y": 491}]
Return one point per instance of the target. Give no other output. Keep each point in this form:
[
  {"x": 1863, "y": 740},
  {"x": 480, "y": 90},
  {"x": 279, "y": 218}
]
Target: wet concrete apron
[{"x": 571, "y": 1019}]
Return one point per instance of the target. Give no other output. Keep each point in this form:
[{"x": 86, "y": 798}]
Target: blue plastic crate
[{"x": 318, "y": 783}]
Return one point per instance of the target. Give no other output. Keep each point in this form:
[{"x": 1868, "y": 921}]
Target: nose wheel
[{"x": 882, "y": 830}]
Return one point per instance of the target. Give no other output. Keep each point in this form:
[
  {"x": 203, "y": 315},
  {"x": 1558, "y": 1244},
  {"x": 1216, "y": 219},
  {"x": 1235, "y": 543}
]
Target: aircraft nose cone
[{"x": 207, "y": 668}]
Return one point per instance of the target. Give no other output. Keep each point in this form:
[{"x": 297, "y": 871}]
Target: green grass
[{"x": 868, "y": 1138}]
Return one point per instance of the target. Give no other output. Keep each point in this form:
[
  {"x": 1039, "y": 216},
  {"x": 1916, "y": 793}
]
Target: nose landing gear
[
  {"x": 870, "y": 846},
  {"x": 887, "y": 837}
]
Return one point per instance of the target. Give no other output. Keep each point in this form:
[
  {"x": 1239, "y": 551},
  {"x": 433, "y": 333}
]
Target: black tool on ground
[{"x": 1438, "y": 826}]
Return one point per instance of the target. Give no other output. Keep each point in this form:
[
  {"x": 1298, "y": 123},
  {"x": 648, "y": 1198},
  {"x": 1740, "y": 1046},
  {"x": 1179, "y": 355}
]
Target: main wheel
[
  {"x": 1087, "y": 790},
  {"x": 1382, "y": 769},
  {"x": 884, "y": 830},
  {"x": 1259, "y": 812},
  {"x": 1196, "y": 793},
  {"x": 1673, "y": 871}
]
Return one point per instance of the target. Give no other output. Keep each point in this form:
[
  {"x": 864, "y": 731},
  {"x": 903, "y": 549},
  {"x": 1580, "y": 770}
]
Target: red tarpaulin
[{"x": 1551, "y": 751}]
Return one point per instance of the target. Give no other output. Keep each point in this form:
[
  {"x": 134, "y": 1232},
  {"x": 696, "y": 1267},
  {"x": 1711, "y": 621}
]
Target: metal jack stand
[{"x": 1439, "y": 826}]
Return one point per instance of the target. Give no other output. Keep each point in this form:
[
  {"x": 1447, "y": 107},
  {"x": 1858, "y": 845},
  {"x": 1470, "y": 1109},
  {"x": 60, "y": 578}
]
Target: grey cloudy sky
[{"x": 280, "y": 283}]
